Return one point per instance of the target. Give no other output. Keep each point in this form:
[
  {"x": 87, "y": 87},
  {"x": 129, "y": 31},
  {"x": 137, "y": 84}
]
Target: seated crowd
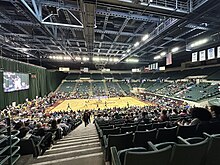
[
  {"x": 137, "y": 129},
  {"x": 43, "y": 127},
  {"x": 36, "y": 124}
]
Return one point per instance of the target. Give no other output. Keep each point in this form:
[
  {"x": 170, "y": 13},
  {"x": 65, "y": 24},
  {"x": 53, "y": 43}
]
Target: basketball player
[{"x": 68, "y": 106}]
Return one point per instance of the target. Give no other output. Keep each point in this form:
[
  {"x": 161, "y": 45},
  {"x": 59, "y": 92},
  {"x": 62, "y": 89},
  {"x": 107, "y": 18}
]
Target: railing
[
  {"x": 8, "y": 142},
  {"x": 170, "y": 5},
  {"x": 197, "y": 3}
]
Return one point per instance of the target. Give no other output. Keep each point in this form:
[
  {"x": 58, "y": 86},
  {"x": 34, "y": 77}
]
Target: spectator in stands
[
  {"x": 144, "y": 118},
  {"x": 200, "y": 115},
  {"x": 174, "y": 113},
  {"x": 86, "y": 118},
  {"x": 183, "y": 113},
  {"x": 215, "y": 112},
  {"x": 22, "y": 128},
  {"x": 63, "y": 126},
  {"x": 163, "y": 116},
  {"x": 39, "y": 130},
  {"x": 99, "y": 118},
  {"x": 53, "y": 124},
  {"x": 89, "y": 116}
]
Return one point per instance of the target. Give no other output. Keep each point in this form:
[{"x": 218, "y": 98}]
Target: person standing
[
  {"x": 89, "y": 117},
  {"x": 86, "y": 118},
  {"x": 68, "y": 107}
]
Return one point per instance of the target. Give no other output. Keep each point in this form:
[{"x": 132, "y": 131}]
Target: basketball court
[{"x": 85, "y": 104}]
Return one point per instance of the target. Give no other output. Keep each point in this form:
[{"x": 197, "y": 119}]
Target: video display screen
[{"x": 15, "y": 81}]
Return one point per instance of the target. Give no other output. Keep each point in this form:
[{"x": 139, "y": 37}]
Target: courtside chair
[
  {"x": 120, "y": 141},
  {"x": 212, "y": 157},
  {"x": 204, "y": 127},
  {"x": 141, "y": 138},
  {"x": 121, "y": 153},
  {"x": 144, "y": 127},
  {"x": 166, "y": 135},
  {"x": 120, "y": 125},
  {"x": 106, "y": 127},
  {"x": 103, "y": 127},
  {"x": 128, "y": 129},
  {"x": 159, "y": 125},
  {"x": 187, "y": 131},
  {"x": 138, "y": 157},
  {"x": 189, "y": 154},
  {"x": 110, "y": 131},
  {"x": 107, "y": 132},
  {"x": 214, "y": 128},
  {"x": 185, "y": 153},
  {"x": 132, "y": 124}
]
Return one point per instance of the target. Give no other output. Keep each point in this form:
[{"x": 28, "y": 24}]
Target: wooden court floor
[{"x": 85, "y": 104}]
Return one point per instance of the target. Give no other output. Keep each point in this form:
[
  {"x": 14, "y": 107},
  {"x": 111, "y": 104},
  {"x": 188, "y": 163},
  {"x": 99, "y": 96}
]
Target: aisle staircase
[
  {"x": 80, "y": 147},
  {"x": 91, "y": 90},
  {"x": 121, "y": 89},
  {"x": 106, "y": 89},
  {"x": 75, "y": 87}
]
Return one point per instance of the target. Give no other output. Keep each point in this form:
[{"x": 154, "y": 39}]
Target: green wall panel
[{"x": 41, "y": 83}]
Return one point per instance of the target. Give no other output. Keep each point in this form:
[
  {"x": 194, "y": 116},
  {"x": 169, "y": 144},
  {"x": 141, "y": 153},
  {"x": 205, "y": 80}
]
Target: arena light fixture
[
  {"x": 103, "y": 59},
  {"x": 145, "y": 37},
  {"x": 157, "y": 57},
  {"x": 67, "y": 58},
  {"x": 132, "y": 60},
  {"x": 50, "y": 57},
  {"x": 60, "y": 57},
  {"x": 85, "y": 58},
  {"x": 111, "y": 60},
  {"x": 198, "y": 43},
  {"x": 96, "y": 59},
  {"x": 128, "y": 1},
  {"x": 128, "y": 50},
  {"x": 24, "y": 49},
  {"x": 174, "y": 49},
  {"x": 115, "y": 59},
  {"x": 136, "y": 44},
  {"x": 77, "y": 58},
  {"x": 162, "y": 54}
]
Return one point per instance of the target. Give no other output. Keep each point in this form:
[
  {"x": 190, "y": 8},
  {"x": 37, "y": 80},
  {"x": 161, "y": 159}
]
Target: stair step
[
  {"x": 68, "y": 154},
  {"x": 81, "y": 147},
  {"x": 93, "y": 159},
  {"x": 77, "y": 137},
  {"x": 77, "y": 140},
  {"x": 70, "y": 148},
  {"x": 74, "y": 143},
  {"x": 83, "y": 135}
]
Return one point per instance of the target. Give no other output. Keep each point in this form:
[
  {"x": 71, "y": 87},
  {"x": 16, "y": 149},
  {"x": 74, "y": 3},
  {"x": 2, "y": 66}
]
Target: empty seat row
[
  {"x": 205, "y": 152},
  {"x": 183, "y": 131},
  {"x": 138, "y": 139}
]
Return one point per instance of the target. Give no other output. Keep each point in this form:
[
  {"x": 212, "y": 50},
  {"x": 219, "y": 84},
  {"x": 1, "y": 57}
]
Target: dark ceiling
[{"x": 104, "y": 33}]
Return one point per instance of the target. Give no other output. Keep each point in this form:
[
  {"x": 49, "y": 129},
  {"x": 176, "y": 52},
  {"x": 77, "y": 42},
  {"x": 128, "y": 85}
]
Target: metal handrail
[{"x": 11, "y": 156}]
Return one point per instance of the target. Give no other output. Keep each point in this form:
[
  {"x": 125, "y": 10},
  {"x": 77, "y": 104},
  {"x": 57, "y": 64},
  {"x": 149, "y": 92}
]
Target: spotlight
[
  {"x": 145, "y": 37},
  {"x": 157, "y": 57},
  {"x": 175, "y": 49},
  {"x": 136, "y": 44},
  {"x": 162, "y": 54}
]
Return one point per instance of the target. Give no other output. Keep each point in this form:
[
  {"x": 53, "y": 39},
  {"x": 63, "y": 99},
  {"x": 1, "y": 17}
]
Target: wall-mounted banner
[
  {"x": 194, "y": 56},
  {"x": 211, "y": 53},
  {"x": 218, "y": 52},
  {"x": 169, "y": 59},
  {"x": 202, "y": 56}
]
